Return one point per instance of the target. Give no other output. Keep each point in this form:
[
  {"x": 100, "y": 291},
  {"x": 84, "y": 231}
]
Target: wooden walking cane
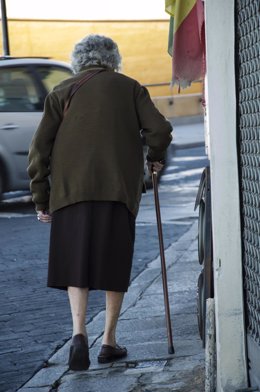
[{"x": 163, "y": 264}]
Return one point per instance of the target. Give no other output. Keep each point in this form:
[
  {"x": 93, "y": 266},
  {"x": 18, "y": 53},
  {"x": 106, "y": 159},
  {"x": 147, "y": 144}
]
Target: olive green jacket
[{"x": 95, "y": 152}]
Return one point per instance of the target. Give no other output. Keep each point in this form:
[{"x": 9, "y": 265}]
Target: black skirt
[{"x": 91, "y": 245}]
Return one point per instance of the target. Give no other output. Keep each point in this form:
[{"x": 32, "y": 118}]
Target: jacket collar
[{"x": 95, "y": 67}]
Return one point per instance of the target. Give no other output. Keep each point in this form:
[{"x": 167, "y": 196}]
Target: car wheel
[{"x": 201, "y": 231}]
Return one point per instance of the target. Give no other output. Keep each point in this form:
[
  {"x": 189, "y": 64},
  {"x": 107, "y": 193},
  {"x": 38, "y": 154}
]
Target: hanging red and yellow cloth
[{"x": 186, "y": 40}]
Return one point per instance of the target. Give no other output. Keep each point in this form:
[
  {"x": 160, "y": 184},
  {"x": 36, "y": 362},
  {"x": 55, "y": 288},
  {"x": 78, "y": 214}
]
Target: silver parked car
[{"x": 24, "y": 84}]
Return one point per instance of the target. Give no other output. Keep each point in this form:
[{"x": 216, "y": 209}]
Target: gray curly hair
[{"x": 95, "y": 50}]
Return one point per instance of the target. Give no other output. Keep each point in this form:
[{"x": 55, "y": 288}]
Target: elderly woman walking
[{"x": 86, "y": 168}]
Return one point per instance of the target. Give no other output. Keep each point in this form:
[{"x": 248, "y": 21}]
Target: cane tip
[{"x": 171, "y": 350}]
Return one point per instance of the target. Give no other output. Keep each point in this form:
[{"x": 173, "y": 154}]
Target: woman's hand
[
  {"x": 154, "y": 166},
  {"x": 44, "y": 216}
]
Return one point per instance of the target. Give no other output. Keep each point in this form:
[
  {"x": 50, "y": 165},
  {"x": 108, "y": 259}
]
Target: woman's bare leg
[
  {"x": 114, "y": 302},
  {"x": 78, "y": 298}
]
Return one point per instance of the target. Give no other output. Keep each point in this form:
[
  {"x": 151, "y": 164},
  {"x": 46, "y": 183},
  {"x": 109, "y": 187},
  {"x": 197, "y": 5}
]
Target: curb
[
  {"x": 186, "y": 120},
  {"x": 185, "y": 146}
]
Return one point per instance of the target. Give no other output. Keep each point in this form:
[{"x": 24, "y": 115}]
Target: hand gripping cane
[{"x": 163, "y": 265}]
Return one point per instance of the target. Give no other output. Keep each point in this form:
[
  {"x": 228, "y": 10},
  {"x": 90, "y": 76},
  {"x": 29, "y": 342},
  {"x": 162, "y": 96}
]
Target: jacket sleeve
[
  {"x": 40, "y": 152},
  {"x": 155, "y": 128}
]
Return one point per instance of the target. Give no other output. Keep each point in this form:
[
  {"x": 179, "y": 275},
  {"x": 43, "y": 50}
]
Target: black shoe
[
  {"x": 79, "y": 353},
  {"x": 109, "y": 353}
]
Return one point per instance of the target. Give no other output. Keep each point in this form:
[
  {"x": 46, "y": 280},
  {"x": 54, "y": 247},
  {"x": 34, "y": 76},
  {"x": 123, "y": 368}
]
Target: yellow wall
[{"x": 143, "y": 45}]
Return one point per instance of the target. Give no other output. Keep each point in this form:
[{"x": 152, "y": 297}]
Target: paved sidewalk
[
  {"x": 148, "y": 367},
  {"x": 188, "y": 132}
]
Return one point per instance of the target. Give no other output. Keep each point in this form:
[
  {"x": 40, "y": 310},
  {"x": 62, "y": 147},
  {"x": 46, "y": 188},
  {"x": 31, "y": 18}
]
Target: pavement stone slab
[
  {"x": 89, "y": 382},
  {"x": 147, "y": 367},
  {"x": 32, "y": 389}
]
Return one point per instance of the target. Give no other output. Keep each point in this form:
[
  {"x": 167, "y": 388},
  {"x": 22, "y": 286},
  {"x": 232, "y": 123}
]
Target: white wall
[{"x": 221, "y": 108}]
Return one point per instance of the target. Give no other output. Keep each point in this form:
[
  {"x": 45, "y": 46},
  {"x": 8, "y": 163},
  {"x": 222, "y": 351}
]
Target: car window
[
  {"x": 18, "y": 92},
  {"x": 51, "y": 76}
]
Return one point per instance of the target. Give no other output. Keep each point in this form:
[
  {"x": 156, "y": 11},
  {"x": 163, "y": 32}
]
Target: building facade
[{"x": 233, "y": 121}]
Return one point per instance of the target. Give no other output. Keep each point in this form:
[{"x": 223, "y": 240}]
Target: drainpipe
[{"x": 6, "y": 49}]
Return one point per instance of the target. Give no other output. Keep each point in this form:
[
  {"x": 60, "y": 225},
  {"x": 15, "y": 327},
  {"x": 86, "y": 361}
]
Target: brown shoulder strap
[{"x": 76, "y": 86}]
